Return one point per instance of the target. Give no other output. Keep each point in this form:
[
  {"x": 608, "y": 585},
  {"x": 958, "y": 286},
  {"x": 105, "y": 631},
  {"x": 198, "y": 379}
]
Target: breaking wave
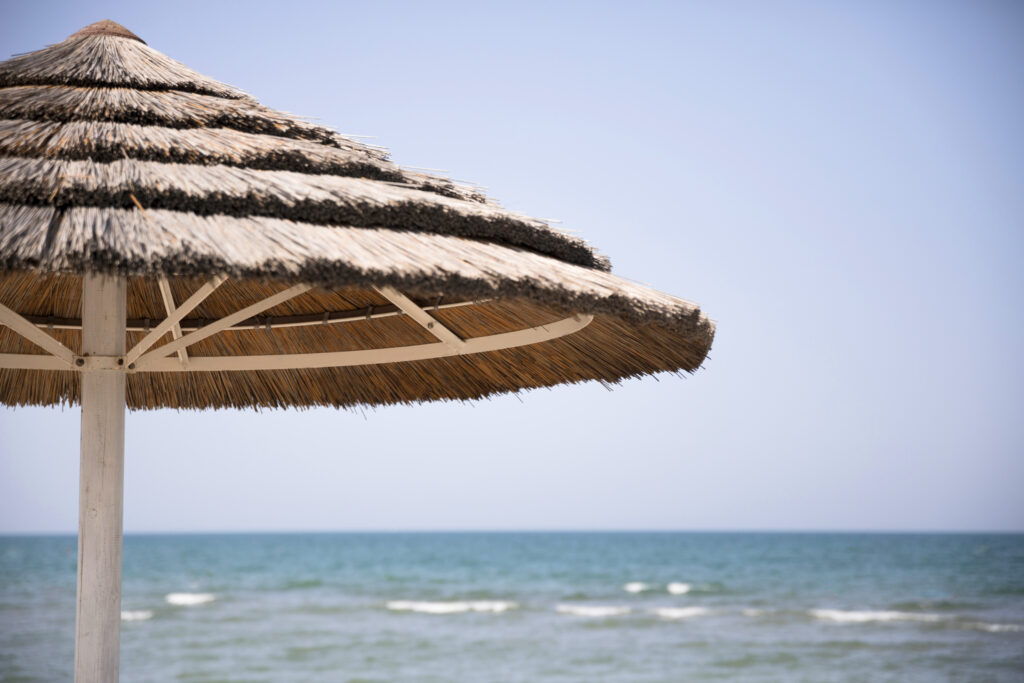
[
  {"x": 681, "y": 612},
  {"x": 996, "y": 628},
  {"x": 855, "y": 617},
  {"x": 136, "y": 615},
  {"x": 636, "y": 587},
  {"x": 592, "y": 611},
  {"x": 189, "y": 599},
  {"x": 452, "y": 606},
  {"x": 679, "y": 588}
]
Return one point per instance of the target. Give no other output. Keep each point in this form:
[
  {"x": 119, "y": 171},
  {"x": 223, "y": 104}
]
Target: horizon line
[{"x": 268, "y": 532}]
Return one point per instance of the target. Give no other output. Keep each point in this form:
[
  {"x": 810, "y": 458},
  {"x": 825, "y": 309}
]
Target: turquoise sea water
[{"x": 560, "y": 607}]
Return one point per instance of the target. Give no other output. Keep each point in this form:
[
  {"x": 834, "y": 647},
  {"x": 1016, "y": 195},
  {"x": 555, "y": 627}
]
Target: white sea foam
[
  {"x": 679, "y": 588},
  {"x": 189, "y": 599},
  {"x": 592, "y": 610},
  {"x": 636, "y": 587},
  {"x": 997, "y": 628},
  {"x": 855, "y": 617},
  {"x": 136, "y": 615},
  {"x": 681, "y": 612},
  {"x": 753, "y": 612},
  {"x": 451, "y": 607}
]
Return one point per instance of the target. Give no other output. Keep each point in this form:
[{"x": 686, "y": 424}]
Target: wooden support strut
[
  {"x": 101, "y": 484},
  {"x": 168, "y": 297},
  {"x": 224, "y": 323},
  {"x": 173, "y": 318},
  {"x": 428, "y": 321},
  {"x": 36, "y": 336}
]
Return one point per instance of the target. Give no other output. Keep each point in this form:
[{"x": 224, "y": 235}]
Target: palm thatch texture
[{"x": 115, "y": 158}]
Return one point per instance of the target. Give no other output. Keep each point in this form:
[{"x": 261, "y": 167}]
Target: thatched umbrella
[{"x": 166, "y": 241}]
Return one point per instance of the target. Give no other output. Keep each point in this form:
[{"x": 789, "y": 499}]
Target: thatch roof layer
[
  {"x": 321, "y": 199},
  {"x": 165, "y": 108},
  {"x": 106, "y": 141}
]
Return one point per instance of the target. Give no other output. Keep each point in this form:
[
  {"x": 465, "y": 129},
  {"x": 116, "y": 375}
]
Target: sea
[{"x": 532, "y": 607}]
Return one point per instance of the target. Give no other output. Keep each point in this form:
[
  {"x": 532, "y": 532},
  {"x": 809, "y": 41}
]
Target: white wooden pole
[{"x": 101, "y": 484}]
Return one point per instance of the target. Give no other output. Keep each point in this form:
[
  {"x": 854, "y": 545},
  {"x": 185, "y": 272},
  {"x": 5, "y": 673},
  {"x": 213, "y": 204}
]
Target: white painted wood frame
[{"x": 157, "y": 360}]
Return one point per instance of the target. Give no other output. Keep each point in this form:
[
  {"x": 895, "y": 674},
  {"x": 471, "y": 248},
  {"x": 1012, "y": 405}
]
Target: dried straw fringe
[{"x": 608, "y": 350}]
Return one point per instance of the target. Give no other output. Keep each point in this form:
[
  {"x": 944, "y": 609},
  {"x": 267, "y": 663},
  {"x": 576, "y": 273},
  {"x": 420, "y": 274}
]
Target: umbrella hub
[{"x": 106, "y": 28}]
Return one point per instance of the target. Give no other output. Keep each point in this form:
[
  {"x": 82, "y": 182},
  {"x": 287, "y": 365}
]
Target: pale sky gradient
[{"x": 839, "y": 185}]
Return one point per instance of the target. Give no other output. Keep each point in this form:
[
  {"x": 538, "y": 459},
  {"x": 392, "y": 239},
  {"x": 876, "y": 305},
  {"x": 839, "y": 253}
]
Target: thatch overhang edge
[{"x": 419, "y": 262}]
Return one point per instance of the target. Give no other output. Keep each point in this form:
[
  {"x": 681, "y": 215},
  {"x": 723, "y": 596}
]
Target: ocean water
[{"x": 559, "y": 607}]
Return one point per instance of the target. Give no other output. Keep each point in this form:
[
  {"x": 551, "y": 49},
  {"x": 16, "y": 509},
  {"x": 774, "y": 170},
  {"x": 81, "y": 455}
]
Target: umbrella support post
[{"x": 101, "y": 483}]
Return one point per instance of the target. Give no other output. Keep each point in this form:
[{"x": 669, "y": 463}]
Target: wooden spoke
[
  {"x": 36, "y": 336},
  {"x": 398, "y": 354}
]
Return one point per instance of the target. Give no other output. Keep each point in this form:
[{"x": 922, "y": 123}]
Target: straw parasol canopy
[
  {"x": 116, "y": 159},
  {"x": 166, "y": 241}
]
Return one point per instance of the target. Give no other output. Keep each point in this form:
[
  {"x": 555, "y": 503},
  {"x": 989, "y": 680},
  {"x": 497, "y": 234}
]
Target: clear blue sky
[{"x": 839, "y": 185}]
